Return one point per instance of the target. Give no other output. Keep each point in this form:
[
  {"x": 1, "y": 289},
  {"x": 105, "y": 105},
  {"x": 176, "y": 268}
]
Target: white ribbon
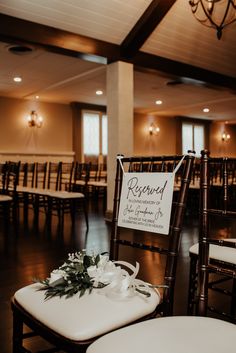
[
  {"x": 123, "y": 285},
  {"x": 121, "y": 164}
]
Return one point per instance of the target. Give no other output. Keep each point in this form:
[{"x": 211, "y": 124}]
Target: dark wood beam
[
  {"x": 89, "y": 106},
  {"x": 152, "y": 62},
  {"x": 19, "y": 31},
  {"x": 145, "y": 26},
  {"x": 16, "y": 30}
]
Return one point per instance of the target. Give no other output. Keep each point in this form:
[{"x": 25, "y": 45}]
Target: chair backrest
[
  {"x": 53, "y": 175},
  {"x": 11, "y": 177},
  {"x": 65, "y": 177},
  {"x": 41, "y": 175},
  {"x": 217, "y": 202},
  {"x": 2, "y": 176},
  {"x": 27, "y": 174},
  {"x": 22, "y": 174},
  {"x": 153, "y": 242},
  {"x": 81, "y": 177}
]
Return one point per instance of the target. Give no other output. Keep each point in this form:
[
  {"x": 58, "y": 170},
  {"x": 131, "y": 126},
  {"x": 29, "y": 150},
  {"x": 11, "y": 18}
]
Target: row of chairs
[
  {"x": 53, "y": 175},
  {"x": 44, "y": 186}
]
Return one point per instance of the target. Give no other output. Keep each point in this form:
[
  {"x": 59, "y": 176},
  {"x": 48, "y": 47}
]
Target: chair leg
[
  {"x": 17, "y": 334},
  {"x": 86, "y": 213},
  {"x": 233, "y": 301},
  {"x": 72, "y": 210},
  {"x": 192, "y": 284}
]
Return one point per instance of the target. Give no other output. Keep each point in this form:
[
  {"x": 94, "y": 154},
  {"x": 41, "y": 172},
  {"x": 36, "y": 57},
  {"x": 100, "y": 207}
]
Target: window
[
  {"x": 192, "y": 138},
  {"x": 94, "y": 135}
]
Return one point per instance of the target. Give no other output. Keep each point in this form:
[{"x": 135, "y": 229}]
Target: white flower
[
  {"x": 103, "y": 260},
  {"x": 92, "y": 271},
  {"x": 56, "y": 275}
]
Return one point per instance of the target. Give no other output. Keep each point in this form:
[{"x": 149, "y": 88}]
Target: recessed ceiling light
[
  {"x": 37, "y": 97},
  {"x": 17, "y": 79},
  {"x": 99, "y": 92},
  {"x": 206, "y": 110},
  {"x": 19, "y": 49},
  {"x": 158, "y": 102}
]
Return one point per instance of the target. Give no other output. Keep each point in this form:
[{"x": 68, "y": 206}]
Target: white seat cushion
[
  {"x": 5, "y": 198},
  {"x": 216, "y": 252},
  {"x": 101, "y": 184},
  {"x": 179, "y": 334},
  {"x": 86, "y": 317},
  {"x": 65, "y": 194}
]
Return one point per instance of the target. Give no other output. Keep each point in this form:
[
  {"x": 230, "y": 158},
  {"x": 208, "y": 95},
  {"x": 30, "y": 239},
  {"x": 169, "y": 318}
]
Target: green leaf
[
  {"x": 97, "y": 259},
  {"x": 87, "y": 261}
]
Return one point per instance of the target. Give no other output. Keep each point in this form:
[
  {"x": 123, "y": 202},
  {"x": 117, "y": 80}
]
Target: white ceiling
[{"x": 62, "y": 79}]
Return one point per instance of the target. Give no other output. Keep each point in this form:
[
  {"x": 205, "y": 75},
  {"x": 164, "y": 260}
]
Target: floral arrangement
[{"x": 82, "y": 272}]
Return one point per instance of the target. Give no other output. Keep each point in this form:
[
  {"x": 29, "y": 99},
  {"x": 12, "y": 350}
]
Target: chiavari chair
[
  {"x": 217, "y": 179},
  {"x": 182, "y": 334},
  {"x": 72, "y": 324}
]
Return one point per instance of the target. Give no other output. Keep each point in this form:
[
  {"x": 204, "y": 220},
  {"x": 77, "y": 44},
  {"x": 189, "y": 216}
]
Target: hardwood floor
[{"x": 27, "y": 251}]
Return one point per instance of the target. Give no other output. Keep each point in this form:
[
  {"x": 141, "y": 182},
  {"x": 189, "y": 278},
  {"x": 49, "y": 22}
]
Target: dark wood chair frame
[
  {"x": 20, "y": 316},
  {"x": 198, "y": 301}
]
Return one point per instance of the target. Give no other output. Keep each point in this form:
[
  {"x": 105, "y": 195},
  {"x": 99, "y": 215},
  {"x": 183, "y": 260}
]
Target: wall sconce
[
  {"x": 225, "y": 137},
  {"x": 34, "y": 119},
  {"x": 153, "y": 129}
]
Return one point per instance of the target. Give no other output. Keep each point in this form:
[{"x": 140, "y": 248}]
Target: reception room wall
[
  {"x": 54, "y": 140},
  {"x": 54, "y": 137},
  {"x": 165, "y": 142},
  {"x": 217, "y": 146}
]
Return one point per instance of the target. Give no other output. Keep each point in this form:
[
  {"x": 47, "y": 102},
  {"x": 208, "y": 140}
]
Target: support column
[{"x": 120, "y": 119}]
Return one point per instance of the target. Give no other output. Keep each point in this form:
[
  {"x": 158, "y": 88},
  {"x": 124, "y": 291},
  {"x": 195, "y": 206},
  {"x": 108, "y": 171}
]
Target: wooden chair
[
  {"x": 26, "y": 180},
  {"x": 98, "y": 184},
  {"x": 217, "y": 188},
  {"x": 41, "y": 170},
  {"x": 72, "y": 324},
  {"x": 182, "y": 334},
  {"x": 66, "y": 175},
  {"x": 10, "y": 179},
  {"x": 65, "y": 199},
  {"x": 5, "y": 199},
  {"x": 39, "y": 201},
  {"x": 81, "y": 177},
  {"x": 53, "y": 177}
]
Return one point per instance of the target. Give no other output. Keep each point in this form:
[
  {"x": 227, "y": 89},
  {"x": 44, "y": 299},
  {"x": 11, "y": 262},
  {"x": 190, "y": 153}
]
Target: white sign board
[{"x": 146, "y": 200}]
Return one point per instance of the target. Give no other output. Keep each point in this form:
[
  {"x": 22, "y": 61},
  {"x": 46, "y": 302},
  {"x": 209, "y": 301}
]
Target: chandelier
[{"x": 214, "y": 13}]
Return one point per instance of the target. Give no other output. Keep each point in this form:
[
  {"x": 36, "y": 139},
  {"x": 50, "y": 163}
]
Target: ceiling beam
[
  {"x": 19, "y": 31},
  {"x": 152, "y": 62},
  {"x": 145, "y": 26},
  {"x": 15, "y": 30}
]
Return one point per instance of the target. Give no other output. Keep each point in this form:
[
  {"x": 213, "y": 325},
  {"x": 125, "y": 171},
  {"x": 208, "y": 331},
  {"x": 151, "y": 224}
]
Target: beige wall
[
  {"x": 168, "y": 141},
  {"x": 217, "y": 147},
  {"x": 16, "y": 136},
  {"x": 163, "y": 143},
  {"x": 55, "y": 136}
]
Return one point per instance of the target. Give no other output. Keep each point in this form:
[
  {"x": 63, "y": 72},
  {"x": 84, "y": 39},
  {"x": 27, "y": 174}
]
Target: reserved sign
[{"x": 146, "y": 200}]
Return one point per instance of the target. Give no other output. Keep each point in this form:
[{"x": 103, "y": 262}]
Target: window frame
[
  {"x": 193, "y": 125},
  {"x": 100, "y": 116}
]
